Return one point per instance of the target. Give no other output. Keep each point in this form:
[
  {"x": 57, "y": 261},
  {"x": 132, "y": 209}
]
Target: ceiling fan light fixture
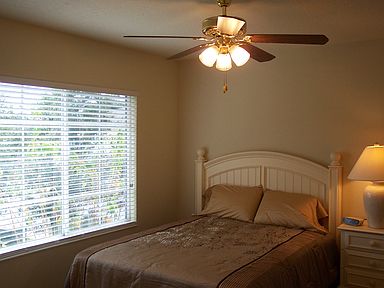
[
  {"x": 226, "y": 40},
  {"x": 230, "y": 26},
  {"x": 209, "y": 56},
  {"x": 224, "y": 62},
  {"x": 239, "y": 55}
]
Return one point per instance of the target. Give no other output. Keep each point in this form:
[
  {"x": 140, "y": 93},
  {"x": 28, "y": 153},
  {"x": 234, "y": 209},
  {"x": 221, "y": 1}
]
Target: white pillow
[
  {"x": 238, "y": 202},
  {"x": 291, "y": 210}
]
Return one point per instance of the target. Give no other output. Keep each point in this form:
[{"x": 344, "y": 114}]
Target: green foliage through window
[{"x": 67, "y": 163}]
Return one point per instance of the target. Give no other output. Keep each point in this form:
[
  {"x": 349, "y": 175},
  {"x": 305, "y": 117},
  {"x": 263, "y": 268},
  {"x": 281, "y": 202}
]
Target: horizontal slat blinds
[{"x": 67, "y": 163}]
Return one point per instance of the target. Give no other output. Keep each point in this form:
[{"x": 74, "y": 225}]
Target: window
[{"x": 67, "y": 163}]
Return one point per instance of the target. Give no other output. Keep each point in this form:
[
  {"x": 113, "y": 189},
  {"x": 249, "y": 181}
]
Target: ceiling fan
[{"x": 226, "y": 41}]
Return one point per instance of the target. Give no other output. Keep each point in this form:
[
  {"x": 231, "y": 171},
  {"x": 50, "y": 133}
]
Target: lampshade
[
  {"x": 370, "y": 165},
  {"x": 224, "y": 62},
  {"x": 229, "y": 25},
  {"x": 239, "y": 55},
  {"x": 208, "y": 56}
]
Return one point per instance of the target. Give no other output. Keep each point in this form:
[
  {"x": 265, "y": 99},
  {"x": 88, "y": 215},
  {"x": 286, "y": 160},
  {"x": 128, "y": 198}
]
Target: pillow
[
  {"x": 238, "y": 202},
  {"x": 291, "y": 210}
]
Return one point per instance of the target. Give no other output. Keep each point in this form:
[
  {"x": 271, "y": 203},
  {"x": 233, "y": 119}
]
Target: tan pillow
[
  {"x": 290, "y": 210},
  {"x": 238, "y": 202}
]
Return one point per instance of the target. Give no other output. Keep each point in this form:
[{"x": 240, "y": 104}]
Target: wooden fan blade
[
  {"x": 289, "y": 38},
  {"x": 257, "y": 53},
  {"x": 189, "y": 51},
  {"x": 165, "y": 37}
]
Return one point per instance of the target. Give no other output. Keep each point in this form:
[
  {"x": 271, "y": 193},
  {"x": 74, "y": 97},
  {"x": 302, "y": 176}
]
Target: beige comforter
[{"x": 209, "y": 252}]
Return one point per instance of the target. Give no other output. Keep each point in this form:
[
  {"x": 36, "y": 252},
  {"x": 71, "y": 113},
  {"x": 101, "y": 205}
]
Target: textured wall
[
  {"x": 35, "y": 53},
  {"x": 308, "y": 102}
]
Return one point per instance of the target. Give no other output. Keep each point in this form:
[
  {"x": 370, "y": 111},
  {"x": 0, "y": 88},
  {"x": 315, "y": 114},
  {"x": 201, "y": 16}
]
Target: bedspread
[{"x": 208, "y": 252}]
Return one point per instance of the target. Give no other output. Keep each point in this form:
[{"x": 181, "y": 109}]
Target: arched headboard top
[
  {"x": 274, "y": 171},
  {"x": 267, "y": 159}
]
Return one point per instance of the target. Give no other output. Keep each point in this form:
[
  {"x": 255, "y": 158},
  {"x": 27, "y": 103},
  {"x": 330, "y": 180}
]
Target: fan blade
[
  {"x": 257, "y": 53},
  {"x": 289, "y": 38},
  {"x": 189, "y": 51},
  {"x": 165, "y": 37}
]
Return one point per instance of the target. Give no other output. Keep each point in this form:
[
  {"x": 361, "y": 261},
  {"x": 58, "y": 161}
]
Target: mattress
[{"x": 208, "y": 252}]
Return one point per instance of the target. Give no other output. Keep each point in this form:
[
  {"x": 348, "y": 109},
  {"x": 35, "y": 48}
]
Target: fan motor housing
[{"x": 209, "y": 27}]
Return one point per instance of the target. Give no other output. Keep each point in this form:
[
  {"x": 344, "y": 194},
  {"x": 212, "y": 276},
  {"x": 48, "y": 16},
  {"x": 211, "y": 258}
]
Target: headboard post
[
  {"x": 199, "y": 178},
  {"x": 335, "y": 193}
]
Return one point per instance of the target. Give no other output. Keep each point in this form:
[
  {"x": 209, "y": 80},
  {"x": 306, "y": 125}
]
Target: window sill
[{"x": 63, "y": 241}]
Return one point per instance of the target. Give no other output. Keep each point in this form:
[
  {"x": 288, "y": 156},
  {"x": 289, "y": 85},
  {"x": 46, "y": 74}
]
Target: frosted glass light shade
[
  {"x": 229, "y": 25},
  {"x": 370, "y": 165},
  {"x": 224, "y": 62},
  {"x": 239, "y": 55},
  {"x": 208, "y": 56}
]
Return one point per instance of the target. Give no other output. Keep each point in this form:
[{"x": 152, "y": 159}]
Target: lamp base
[{"x": 374, "y": 204}]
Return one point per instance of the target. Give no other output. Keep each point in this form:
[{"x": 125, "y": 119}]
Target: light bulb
[
  {"x": 208, "y": 56},
  {"x": 239, "y": 55},
  {"x": 224, "y": 62}
]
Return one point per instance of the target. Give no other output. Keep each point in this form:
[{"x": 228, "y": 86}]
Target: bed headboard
[{"x": 275, "y": 171}]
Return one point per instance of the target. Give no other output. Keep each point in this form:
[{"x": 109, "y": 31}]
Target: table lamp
[{"x": 370, "y": 167}]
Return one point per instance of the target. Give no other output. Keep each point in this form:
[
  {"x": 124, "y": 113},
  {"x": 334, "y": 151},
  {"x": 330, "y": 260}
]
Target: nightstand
[{"x": 362, "y": 256}]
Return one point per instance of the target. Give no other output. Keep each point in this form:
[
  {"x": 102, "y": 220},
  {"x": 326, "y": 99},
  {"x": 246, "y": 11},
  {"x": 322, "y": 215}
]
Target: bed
[{"x": 263, "y": 219}]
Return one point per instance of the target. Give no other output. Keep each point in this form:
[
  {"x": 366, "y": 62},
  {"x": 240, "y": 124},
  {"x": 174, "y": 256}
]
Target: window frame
[{"x": 89, "y": 234}]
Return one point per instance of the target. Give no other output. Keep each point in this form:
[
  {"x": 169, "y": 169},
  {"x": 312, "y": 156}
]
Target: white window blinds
[{"x": 67, "y": 163}]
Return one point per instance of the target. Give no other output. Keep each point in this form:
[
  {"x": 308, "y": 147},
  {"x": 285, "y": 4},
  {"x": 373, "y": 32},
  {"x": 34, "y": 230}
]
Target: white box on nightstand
[{"x": 362, "y": 256}]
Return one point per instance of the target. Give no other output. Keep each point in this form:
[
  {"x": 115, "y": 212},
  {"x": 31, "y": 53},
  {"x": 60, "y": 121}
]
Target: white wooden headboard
[{"x": 275, "y": 171}]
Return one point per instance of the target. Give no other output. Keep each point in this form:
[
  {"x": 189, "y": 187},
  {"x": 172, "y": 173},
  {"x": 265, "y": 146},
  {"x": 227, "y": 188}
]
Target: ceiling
[{"x": 343, "y": 21}]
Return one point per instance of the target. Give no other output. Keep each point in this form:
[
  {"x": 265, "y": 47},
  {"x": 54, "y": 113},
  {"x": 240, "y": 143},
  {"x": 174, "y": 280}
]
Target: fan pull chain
[{"x": 225, "y": 86}]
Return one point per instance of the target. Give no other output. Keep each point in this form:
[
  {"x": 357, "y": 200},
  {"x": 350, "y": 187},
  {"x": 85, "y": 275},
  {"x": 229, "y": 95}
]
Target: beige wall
[
  {"x": 309, "y": 101},
  {"x": 36, "y": 53}
]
